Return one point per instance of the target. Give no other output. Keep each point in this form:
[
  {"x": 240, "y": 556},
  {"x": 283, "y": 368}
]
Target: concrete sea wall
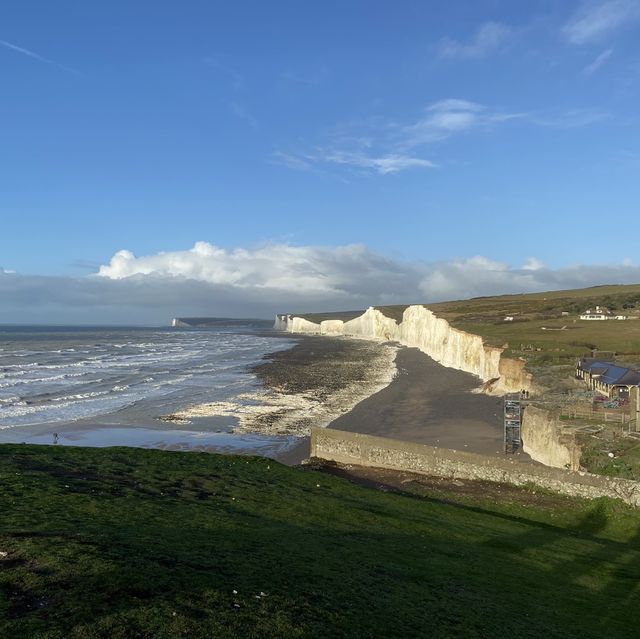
[
  {"x": 422, "y": 329},
  {"x": 379, "y": 452}
]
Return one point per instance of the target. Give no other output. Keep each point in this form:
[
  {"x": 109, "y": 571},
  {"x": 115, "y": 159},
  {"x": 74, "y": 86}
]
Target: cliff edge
[{"x": 421, "y": 328}]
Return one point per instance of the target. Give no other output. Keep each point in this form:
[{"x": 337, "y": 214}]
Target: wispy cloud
[
  {"x": 445, "y": 118},
  {"x": 381, "y": 147},
  {"x": 237, "y": 80},
  {"x": 291, "y": 161},
  {"x": 382, "y": 164},
  {"x": 36, "y": 56},
  {"x": 600, "y": 60},
  {"x": 384, "y": 147},
  {"x": 379, "y": 164},
  {"x": 310, "y": 78},
  {"x": 238, "y": 87},
  {"x": 571, "y": 118},
  {"x": 489, "y": 37},
  {"x": 242, "y": 112},
  {"x": 597, "y": 19}
]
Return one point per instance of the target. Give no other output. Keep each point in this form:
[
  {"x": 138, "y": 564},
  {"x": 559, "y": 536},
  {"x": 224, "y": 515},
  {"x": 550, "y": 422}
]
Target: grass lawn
[
  {"x": 117, "y": 543},
  {"x": 608, "y": 453}
]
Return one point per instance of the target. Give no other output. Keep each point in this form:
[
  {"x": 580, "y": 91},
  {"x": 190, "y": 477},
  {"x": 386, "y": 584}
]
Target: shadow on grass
[{"x": 307, "y": 556}]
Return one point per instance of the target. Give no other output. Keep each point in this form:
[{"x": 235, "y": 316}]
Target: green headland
[{"x": 118, "y": 543}]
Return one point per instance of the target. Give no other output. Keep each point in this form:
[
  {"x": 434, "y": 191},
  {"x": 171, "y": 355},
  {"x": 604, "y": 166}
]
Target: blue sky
[{"x": 474, "y": 138}]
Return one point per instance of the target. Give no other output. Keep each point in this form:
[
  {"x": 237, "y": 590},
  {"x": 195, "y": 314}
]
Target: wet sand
[
  {"x": 308, "y": 385},
  {"x": 426, "y": 403},
  {"x": 187, "y": 440},
  {"x": 430, "y": 404}
]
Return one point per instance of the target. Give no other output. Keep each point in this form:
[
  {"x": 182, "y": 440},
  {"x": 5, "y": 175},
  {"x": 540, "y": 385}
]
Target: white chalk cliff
[{"x": 420, "y": 328}]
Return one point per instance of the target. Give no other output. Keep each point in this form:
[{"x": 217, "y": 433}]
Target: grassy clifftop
[
  {"x": 143, "y": 543},
  {"x": 545, "y": 327}
]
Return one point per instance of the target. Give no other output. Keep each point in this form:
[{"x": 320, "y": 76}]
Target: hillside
[
  {"x": 545, "y": 330},
  {"x": 119, "y": 543},
  {"x": 524, "y": 336}
]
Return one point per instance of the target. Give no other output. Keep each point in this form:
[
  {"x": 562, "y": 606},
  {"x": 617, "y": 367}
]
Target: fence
[{"x": 617, "y": 416}]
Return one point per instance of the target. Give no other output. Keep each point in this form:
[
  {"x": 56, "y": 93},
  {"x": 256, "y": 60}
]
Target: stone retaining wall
[{"x": 379, "y": 452}]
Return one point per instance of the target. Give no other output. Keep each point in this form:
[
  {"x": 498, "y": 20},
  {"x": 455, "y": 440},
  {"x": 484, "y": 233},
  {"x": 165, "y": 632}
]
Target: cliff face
[
  {"x": 545, "y": 442},
  {"x": 420, "y": 328}
]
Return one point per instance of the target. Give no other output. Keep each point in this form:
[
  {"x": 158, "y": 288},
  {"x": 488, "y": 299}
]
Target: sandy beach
[
  {"x": 354, "y": 385},
  {"x": 430, "y": 404},
  {"x": 425, "y": 403}
]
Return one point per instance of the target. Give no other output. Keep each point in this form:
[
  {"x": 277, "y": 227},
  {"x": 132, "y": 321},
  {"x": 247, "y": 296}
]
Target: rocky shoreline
[{"x": 311, "y": 384}]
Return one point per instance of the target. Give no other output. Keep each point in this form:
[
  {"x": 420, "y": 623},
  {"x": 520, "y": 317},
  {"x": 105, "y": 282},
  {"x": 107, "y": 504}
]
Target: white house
[{"x": 600, "y": 313}]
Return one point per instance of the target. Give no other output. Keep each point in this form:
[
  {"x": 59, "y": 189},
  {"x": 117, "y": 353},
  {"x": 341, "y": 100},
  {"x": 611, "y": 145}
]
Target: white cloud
[
  {"x": 597, "y": 19},
  {"x": 343, "y": 271},
  {"x": 478, "y": 276},
  {"x": 598, "y": 62},
  {"x": 533, "y": 264},
  {"x": 259, "y": 282},
  {"x": 489, "y": 37}
]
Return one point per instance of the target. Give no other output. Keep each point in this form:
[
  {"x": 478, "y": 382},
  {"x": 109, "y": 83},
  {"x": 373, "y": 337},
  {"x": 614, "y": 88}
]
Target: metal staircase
[{"x": 512, "y": 422}]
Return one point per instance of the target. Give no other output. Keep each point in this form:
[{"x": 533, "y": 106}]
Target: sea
[{"x": 108, "y": 386}]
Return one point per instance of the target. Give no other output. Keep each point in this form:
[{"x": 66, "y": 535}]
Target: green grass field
[
  {"x": 120, "y": 543},
  {"x": 532, "y": 313}
]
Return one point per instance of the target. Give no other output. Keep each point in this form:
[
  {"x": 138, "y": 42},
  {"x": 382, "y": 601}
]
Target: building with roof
[
  {"x": 600, "y": 313},
  {"x": 607, "y": 377}
]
